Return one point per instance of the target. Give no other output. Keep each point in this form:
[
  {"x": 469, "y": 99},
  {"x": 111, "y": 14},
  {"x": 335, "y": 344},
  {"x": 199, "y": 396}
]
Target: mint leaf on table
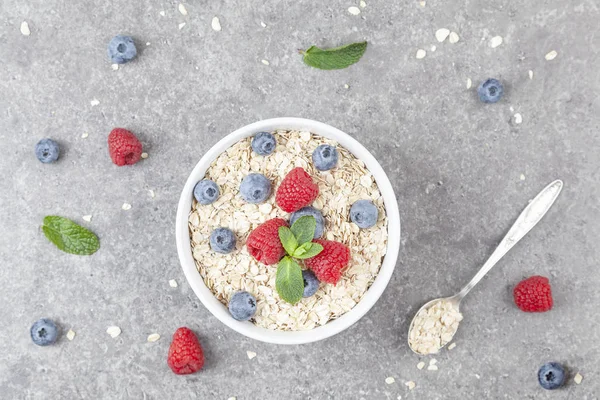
[
  {"x": 304, "y": 229},
  {"x": 288, "y": 240},
  {"x": 70, "y": 237},
  {"x": 336, "y": 58},
  {"x": 307, "y": 250},
  {"x": 289, "y": 282}
]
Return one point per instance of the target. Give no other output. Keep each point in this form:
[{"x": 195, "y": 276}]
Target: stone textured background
[{"x": 455, "y": 163}]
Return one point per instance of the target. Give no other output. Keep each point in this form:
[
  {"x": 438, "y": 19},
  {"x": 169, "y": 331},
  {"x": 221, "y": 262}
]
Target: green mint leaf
[
  {"x": 70, "y": 237},
  {"x": 307, "y": 250},
  {"x": 289, "y": 282},
  {"x": 336, "y": 58},
  {"x": 304, "y": 229},
  {"x": 288, "y": 240}
]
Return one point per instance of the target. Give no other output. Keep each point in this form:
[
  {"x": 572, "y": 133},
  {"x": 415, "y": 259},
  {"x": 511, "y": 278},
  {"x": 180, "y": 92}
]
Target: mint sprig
[
  {"x": 70, "y": 237},
  {"x": 335, "y": 58},
  {"x": 297, "y": 242}
]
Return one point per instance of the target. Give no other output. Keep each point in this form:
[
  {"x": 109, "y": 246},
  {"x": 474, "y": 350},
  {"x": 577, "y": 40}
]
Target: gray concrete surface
[{"x": 455, "y": 163}]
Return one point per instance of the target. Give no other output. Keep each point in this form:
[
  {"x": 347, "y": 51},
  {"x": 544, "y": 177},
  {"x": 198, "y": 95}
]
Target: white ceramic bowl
[{"x": 184, "y": 247}]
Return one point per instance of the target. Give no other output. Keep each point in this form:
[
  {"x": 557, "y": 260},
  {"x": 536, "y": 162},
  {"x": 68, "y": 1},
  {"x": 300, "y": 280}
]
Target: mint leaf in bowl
[{"x": 289, "y": 282}]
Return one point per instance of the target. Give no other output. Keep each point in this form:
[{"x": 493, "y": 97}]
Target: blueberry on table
[
  {"x": 490, "y": 91},
  {"x": 325, "y": 157},
  {"x": 364, "y": 214},
  {"x": 313, "y": 212},
  {"x": 255, "y": 188},
  {"x": 44, "y": 332},
  {"x": 206, "y": 192},
  {"x": 242, "y": 306},
  {"x": 263, "y": 143},
  {"x": 47, "y": 151},
  {"x": 222, "y": 240},
  {"x": 551, "y": 375},
  {"x": 121, "y": 49},
  {"x": 311, "y": 283}
]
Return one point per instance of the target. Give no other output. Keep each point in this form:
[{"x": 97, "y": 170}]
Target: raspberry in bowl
[{"x": 303, "y": 170}]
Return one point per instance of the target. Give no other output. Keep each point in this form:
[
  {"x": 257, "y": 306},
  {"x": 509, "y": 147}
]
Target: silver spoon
[{"x": 532, "y": 214}]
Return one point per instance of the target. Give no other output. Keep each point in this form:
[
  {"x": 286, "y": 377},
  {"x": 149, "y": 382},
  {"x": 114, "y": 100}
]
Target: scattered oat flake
[
  {"x": 144, "y": 155},
  {"x": 113, "y": 331},
  {"x": 263, "y": 24},
  {"x": 432, "y": 368},
  {"x": 264, "y": 62},
  {"x": 115, "y": 67},
  {"x": 453, "y": 38},
  {"x": 25, "y": 28},
  {"x": 126, "y": 206},
  {"x": 87, "y": 218},
  {"x": 411, "y": 385},
  {"x": 148, "y": 43},
  {"x": 518, "y": 118},
  {"x": 250, "y": 354},
  {"x": 181, "y": 25},
  {"x": 551, "y": 56},
  {"x": 578, "y": 378},
  {"x": 421, "y": 365},
  {"x": 216, "y": 24},
  {"x": 477, "y": 376},
  {"x": 496, "y": 41},
  {"x": 433, "y": 47},
  {"x": 421, "y": 54},
  {"x": 94, "y": 102},
  {"x": 354, "y": 10},
  {"x": 389, "y": 380},
  {"x": 151, "y": 192},
  {"x": 441, "y": 34},
  {"x": 173, "y": 283},
  {"x": 433, "y": 361},
  {"x": 162, "y": 13},
  {"x": 182, "y": 9},
  {"x": 453, "y": 345},
  {"x": 362, "y": 4},
  {"x": 232, "y": 398},
  {"x": 469, "y": 83},
  {"x": 521, "y": 177},
  {"x": 153, "y": 337},
  {"x": 84, "y": 135},
  {"x": 71, "y": 334},
  {"x": 422, "y": 3},
  {"x": 530, "y": 74}
]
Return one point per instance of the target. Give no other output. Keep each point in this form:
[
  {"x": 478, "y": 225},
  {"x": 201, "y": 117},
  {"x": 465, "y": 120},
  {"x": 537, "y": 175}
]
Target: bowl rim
[{"x": 246, "y": 328}]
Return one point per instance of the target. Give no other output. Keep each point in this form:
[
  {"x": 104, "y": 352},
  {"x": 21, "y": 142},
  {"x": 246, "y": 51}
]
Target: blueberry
[
  {"x": 255, "y": 188},
  {"x": 364, "y": 214},
  {"x": 490, "y": 91},
  {"x": 47, "y": 151},
  {"x": 206, "y": 191},
  {"x": 242, "y": 306},
  {"x": 263, "y": 143},
  {"x": 121, "y": 49},
  {"x": 325, "y": 157},
  {"x": 315, "y": 213},
  {"x": 551, "y": 375},
  {"x": 222, "y": 240},
  {"x": 311, "y": 283},
  {"x": 44, "y": 332}
]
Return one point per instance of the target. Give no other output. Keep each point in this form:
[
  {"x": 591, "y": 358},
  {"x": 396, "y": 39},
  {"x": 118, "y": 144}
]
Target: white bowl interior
[{"x": 184, "y": 248}]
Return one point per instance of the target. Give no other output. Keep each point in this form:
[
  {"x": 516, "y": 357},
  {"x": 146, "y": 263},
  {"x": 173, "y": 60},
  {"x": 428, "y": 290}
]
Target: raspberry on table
[
  {"x": 263, "y": 242},
  {"x": 185, "y": 353},
  {"x": 329, "y": 264},
  {"x": 297, "y": 190},
  {"x": 124, "y": 147},
  {"x": 533, "y": 294}
]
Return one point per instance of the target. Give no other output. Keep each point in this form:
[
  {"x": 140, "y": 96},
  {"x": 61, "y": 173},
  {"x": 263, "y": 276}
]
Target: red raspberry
[
  {"x": 185, "y": 353},
  {"x": 124, "y": 147},
  {"x": 533, "y": 294},
  {"x": 297, "y": 190},
  {"x": 329, "y": 264},
  {"x": 263, "y": 243}
]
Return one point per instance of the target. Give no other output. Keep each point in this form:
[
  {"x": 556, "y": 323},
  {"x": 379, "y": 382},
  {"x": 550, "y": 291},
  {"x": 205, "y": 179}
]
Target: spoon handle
[{"x": 532, "y": 214}]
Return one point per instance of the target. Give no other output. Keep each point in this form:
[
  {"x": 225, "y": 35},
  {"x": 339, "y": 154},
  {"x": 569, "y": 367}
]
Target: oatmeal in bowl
[{"x": 288, "y": 230}]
